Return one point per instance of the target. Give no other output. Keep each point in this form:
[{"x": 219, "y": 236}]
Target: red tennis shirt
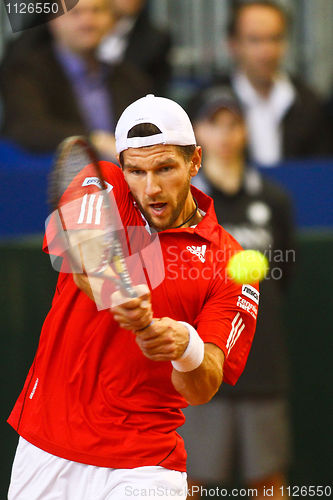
[{"x": 91, "y": 396}]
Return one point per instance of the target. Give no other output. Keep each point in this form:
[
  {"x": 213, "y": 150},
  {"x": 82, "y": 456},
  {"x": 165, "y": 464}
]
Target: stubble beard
[{"x": 175, "y": 213}]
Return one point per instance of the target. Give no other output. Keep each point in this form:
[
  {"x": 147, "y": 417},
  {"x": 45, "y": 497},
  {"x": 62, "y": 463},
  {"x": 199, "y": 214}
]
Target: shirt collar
[
  {"x": 123, "y": 26},
  {"x": 208, "y": 227},
  {"x": 279, "y": 100},
  {"x": 112, "y": 47},
  {"x": 72, "y": 63},
  {"x": 75, "y": 65}
]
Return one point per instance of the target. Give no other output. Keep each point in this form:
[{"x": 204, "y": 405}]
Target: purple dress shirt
[{"x": 90, "y": 88}]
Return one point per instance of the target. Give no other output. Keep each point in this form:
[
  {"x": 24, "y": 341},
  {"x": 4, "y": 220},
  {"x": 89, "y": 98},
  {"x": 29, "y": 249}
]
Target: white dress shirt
[
  {"x": 113, "y": 46},
  {"x": 264, "y": 116}
]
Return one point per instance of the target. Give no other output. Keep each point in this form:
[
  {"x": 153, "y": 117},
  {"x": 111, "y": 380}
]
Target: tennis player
[{"x": 99, "y": 411}]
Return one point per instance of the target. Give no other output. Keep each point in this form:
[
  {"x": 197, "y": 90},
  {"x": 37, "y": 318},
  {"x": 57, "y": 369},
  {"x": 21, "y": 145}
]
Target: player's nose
[{"x": 152, "y": 187}]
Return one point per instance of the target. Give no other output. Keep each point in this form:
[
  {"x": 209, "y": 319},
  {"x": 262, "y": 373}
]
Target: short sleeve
[
  {"x": 228, "y": 320},
  {"x": 84, "y": 207}
]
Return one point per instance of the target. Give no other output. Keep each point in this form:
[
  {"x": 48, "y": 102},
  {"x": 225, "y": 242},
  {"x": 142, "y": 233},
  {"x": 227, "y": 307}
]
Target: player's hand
[
  {"x": 164, "y": 340},
  {"x": 132, "y": 314}
]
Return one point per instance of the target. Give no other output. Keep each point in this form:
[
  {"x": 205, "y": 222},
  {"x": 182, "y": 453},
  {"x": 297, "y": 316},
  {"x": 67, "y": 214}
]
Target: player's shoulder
[
  {"x": 111, "y": 172},
  {"x": 113, "y": 177},
  {"x": 220, "y": 238},
  {"x": 110, "y": 169},
  {"x": 226, "y": 242}
]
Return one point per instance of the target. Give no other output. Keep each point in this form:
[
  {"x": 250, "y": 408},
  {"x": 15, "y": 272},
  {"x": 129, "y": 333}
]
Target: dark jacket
[
  {"x": 39, "y": 106},
  {"x": 259, "y": 216},
  {"x": 305, "y": 127},
  {"x": 148, "y": 49}
]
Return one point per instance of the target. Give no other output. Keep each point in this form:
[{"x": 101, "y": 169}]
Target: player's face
[
  {"x": 260, "y": 42},
  {"x": 159, "y": 179},
  {"x": 82, "y": 28},
  {"x": 223, "y": 136}
]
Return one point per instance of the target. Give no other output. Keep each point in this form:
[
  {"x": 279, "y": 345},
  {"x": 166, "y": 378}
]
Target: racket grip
[{"x": 130, "y": 292}]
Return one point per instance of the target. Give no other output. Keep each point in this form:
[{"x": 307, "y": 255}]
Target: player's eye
[
  {"x": 137, "y": 173},
  {"x": 167, "y": 168}
]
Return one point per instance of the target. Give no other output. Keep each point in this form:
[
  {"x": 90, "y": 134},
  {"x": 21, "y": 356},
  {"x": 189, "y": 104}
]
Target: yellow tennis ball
[{"x": 247, "y": 266}]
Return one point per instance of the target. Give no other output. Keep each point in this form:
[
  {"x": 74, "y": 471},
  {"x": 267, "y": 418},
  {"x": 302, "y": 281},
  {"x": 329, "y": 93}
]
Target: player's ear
[
  {"x": 120, "y": 160},
  {"x": 196, "y": 161}
]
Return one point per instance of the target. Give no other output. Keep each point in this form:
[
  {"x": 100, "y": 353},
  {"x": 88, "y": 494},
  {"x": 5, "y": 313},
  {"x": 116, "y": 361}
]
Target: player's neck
[
  {"x": 190, "y": 215},
  {"x": 225, "y": 175}
]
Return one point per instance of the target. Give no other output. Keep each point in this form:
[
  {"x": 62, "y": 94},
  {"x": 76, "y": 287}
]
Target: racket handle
[{"x": 129, "y": 292}]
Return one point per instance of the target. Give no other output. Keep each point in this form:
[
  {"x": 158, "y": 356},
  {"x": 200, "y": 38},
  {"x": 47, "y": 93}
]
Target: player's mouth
[{"x": 158, "y": 209}]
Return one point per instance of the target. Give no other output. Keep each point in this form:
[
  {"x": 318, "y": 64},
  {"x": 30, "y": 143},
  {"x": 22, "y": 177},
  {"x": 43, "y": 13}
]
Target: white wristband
[{"x": 194, "y": 353}]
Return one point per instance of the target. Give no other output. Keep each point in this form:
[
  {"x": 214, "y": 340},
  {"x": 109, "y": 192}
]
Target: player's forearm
[
  {"x": 82, "y": 282},
  {"x": 200, "y": 385},
  {"x": 92, "y": 286}
]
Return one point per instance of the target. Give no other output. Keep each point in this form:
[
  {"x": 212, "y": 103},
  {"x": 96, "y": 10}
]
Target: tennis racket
[{"x": 86, "y": 216}]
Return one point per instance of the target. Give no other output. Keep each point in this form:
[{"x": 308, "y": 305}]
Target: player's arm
[
  {"x": 82, "y": 281},
  {"x": 86, "y": 183},
  {"x": 226, "y": 327},
  {"x": 199, "y": 386},
  {"x": 197, "y": 367}
]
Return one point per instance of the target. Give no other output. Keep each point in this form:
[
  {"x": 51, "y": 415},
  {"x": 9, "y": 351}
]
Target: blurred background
[
  {"x": 198, "y": 29},
  {"x": 188, "y": 47}
]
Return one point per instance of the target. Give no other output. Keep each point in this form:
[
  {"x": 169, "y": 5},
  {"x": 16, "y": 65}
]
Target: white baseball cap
[{"x": 167, "y": 115}]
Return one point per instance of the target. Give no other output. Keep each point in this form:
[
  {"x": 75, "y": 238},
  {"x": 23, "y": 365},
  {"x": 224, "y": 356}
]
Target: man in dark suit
[
  {"x": 134, "y": 38},
  {"x": 284, "y": 116},
  {"x": 53, "y": 86}
]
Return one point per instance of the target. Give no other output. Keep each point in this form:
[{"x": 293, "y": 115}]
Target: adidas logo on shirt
[{"x": 198, "y": 251}]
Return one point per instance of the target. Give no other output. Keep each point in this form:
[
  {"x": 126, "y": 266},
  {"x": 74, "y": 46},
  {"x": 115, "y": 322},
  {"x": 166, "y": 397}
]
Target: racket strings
[
  {"x": 68, "y": 166},
  {"x": 71, "y": 168},
  {"x": 87, "y": 217}
]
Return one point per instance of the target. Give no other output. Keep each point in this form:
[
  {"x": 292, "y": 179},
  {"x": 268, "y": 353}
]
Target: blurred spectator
[
  {"x": 135, "y": 39},
  {"x": 53, "y": 86},
  {"x": 285, "y": 118},
  {"x": 329, "y": 110},
  {"x": 245, "y": 428}
]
